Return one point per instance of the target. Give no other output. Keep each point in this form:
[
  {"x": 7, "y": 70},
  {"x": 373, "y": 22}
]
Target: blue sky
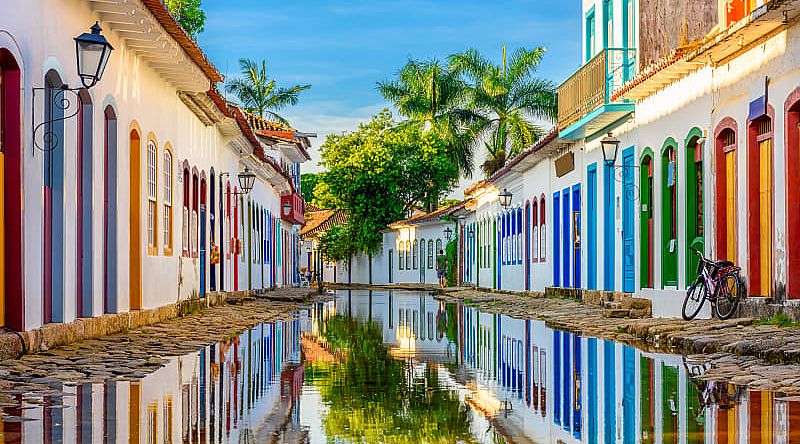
[{"x": 342, "y": 48}]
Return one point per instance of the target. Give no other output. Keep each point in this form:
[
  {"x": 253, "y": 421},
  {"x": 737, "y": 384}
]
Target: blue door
[
  {"x": 608, "y": 228},
  {"x": 566, "y": 380},
  {"x": 556, "y": 239},
  {"x": 592, "y": 400},
  {"x": 628, "y": 195},
  {"x": 576, "y": 236},
  {"x": 628, "y": 395},
  {"x": 577, "y": 413},
  {"x": 609, "y": 394},
  {"x": 591, "y": 210},
  {"x": 566, "y": 237},
  {"x": 557, "y": 375},
  {"x": 499, "y": 235},
  {"x": 202, "y": 250}
]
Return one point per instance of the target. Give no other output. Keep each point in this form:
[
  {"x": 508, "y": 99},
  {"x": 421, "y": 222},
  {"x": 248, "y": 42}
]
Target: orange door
[
  {"x": 765, "y": 212},
  {"x": 730, "y": 204},
  {"x": 135, "y": 223}
]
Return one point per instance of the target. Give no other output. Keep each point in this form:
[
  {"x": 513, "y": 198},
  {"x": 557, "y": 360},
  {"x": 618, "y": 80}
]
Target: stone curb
[{"x": 14, "y": 344}]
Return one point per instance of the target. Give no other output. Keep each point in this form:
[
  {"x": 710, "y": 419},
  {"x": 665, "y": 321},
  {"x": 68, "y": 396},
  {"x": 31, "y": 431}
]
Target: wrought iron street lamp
[
  {"x": 448, "y": 233},
  {"x": 247, "y": 179},
  {"x": 505, "y": 198},
  {"x": 92, "y": 51},
  {"x": 610, "y": 146}
]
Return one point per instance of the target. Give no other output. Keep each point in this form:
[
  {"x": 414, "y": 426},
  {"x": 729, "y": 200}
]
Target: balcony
[
  {"x": 585, "y": 104},
  {"x": 293, "y": 213}
]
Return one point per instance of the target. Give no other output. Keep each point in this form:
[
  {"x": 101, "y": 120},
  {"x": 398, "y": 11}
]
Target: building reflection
[
  {"x": 518, "y": 376},
  {"x": 245, "y": 389},
  {"x": 554, "y": 386}
]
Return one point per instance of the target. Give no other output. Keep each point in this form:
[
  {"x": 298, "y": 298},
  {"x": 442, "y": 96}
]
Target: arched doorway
[
  {"x": 53, "y": 254},
  {"x": 135, "y": 221},
  {"x": 725, "y": 204},
  {"x": 212, "y": 225},
  {"x": 695, "y": 203},
  {"x": 12, "y": 313},
  {"x": 760, "y": 197},
  {"x": 792, "y": 108},
  {"x": 84, "y": 249},
  {"x": 203, "y": 191},
  {"x": 669, "y": 214},
  {"x": 110, "y": 304},
  {"x": 646, "y": 219}
]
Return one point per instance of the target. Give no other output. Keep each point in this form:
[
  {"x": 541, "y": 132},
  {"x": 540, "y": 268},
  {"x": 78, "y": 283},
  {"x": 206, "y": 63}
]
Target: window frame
[
  {"x": 169, "y": 193},
  {"x": 151, "y": 195}
]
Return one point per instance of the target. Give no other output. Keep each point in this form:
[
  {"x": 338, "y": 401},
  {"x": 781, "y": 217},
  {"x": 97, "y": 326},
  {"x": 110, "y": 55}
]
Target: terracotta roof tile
[
  {"x": 176, "y": 31},
  {"x": 318, "y": 222}
]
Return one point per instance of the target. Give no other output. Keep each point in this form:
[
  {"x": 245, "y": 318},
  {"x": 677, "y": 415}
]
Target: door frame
[
  {"x": 628, "y": 221},
  {"x": 591, "y": 220}
]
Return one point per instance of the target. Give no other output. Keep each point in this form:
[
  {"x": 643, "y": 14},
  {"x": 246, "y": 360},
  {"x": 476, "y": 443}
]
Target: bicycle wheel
[
  {"x": 695, "y": 298},
  {"x": 728, "y": 295}
]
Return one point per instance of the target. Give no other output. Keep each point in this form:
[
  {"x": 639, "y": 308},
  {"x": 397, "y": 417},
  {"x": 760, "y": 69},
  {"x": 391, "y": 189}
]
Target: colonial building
[{"x": 127, "y": 195}]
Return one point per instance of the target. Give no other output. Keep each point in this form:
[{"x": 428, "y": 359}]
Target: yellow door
[
  {"x": 765, "y": 211},
  {"x": 730, "y": 204},
  {"x": 766, "y": 417},
  {"x": 134, "y": 414}
]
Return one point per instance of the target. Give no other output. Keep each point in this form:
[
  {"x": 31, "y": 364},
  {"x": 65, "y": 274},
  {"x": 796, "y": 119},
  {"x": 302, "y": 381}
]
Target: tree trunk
[{"x": 370, "y": 269}]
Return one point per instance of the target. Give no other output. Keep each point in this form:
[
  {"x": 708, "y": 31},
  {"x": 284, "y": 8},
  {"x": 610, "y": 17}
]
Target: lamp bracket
[{"x": 61, "y": 101}]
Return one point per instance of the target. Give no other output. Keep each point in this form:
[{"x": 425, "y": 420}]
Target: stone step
[{"x": 615, "y": 313}]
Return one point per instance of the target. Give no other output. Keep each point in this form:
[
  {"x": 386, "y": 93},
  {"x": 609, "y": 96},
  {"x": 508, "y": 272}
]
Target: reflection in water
[{"x": 402, "y": 367}]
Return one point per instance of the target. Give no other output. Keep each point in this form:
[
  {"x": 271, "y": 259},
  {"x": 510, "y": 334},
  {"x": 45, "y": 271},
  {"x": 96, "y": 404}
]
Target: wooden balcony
[{"x": 585, "y": 98}]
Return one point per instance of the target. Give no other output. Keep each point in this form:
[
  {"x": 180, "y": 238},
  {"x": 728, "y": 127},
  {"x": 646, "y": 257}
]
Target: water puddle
[{"x": 386, "y": 367}]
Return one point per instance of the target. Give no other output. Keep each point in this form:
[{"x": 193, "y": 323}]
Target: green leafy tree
[
  {"x": 308, "y": 182},
  {"x": 374, "y": 398},
  {"x": 505, "y": 100},
  {"x": 431, "y": 97},
  {"x": 259, "y": 94},
  {"x": 189, "y": 13},
  {"x": 379, "y": 172}
]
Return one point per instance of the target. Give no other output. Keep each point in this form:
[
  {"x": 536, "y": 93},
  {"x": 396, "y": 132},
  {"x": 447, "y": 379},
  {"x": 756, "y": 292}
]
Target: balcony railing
[
  {"x": 293, "y": 213},
  {"x": 592, "y": 85}
]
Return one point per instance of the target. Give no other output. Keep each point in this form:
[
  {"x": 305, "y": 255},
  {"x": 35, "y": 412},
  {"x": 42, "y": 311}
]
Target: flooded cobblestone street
[{"x": 378, "y": 366}]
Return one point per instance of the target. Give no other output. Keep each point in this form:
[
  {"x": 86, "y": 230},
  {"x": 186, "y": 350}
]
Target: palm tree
[
  {"x": 258, "y": 93},
  {"x": 505, "y": 100},
  {"x": 428, "y": 94}
]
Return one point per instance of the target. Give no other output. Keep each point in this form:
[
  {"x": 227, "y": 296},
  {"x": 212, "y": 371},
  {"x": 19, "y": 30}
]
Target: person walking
[{"x": 441, "y": 268}]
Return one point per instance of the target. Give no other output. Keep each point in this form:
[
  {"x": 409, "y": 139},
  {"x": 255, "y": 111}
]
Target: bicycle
[{"x": 718, "y": 281}]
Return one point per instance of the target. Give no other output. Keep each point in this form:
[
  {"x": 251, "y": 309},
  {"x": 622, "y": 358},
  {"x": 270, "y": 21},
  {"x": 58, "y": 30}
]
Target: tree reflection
[{"x": 372, "y": 397}]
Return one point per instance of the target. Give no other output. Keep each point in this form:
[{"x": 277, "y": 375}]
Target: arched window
[
  {"x": 430, "y": 254},
  {"x": 414, "y": 253},
  {"x": 167, "y": 217},
  {"x": 408, "y": 255},
  {"x": 110, "y": 213},
  {"x": 185, "y": 212},
  {"x": 535, "y": 230},
  {"x": 542, "y": 230},
  {"x": 152, "y": 198},
  {"x": 400, "y": 262},
  {"x": 438, "y": 245}
]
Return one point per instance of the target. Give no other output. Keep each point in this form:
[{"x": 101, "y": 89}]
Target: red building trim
[
  {"x": 753, "y": 207},
  {"x": 792, "y": 120},
  {"x": 12, "y": 191},
  {"x": 720, "y": 148}
]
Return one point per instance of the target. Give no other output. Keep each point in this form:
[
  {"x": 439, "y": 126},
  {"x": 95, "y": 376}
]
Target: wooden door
[
  {"x": 730, "y": 205},
  {"x": 135, "y": 223},
  {"x": 765, "y": 215}
]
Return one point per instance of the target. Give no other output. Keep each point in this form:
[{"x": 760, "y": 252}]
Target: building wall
[
  {"x": 143, "y": 101},
  {"x": 661, "y": 32}
]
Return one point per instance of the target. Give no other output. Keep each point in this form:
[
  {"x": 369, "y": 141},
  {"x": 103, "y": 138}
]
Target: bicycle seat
[{"x": 723, "y": 264}]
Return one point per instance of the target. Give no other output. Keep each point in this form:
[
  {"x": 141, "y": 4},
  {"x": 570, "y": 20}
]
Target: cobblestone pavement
[
  {"x": 760, "y": 356},
  {"x": 137, "y": 353}
]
